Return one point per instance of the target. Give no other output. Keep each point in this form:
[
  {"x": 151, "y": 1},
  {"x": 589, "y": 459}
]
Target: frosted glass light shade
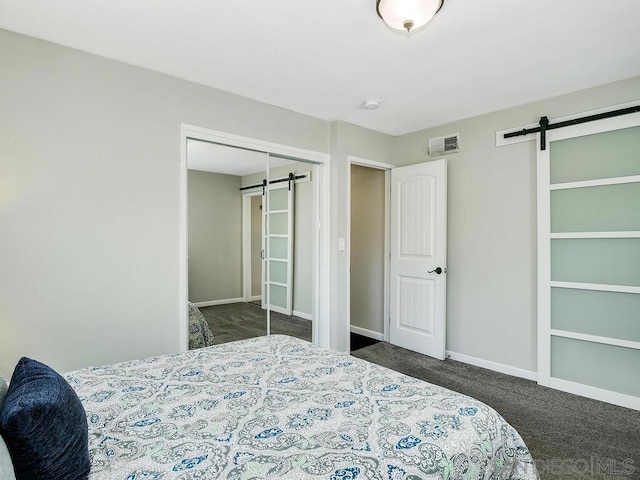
[{"x": 407, "y": 14}]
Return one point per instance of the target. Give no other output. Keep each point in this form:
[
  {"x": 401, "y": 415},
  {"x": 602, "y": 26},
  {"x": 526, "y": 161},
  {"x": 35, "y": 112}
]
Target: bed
[
  {"x": 271, "y": 407},
  {"x": 200, "y": 334},
  {"x": 279, "y": 407}
]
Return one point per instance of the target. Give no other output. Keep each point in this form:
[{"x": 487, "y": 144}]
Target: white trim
[
  {"x": 596, "y": 339},
  {"x": 246, "y": 243},
  {"x": 491, "y": 365},
  {"x": 224, "y": 301},
  {"x": 387, "y": 253},
  {"x": 627, "y": 234},
  {"x": 348, "y": 253},
  {"x": 601, "y": 287},
  {"x": 266, "y": 291},
  {"x": 501, "y": 141},
  {"x": 596, "y": 393},
  {"x": 255, "y": 297},
  {"x": 596, "y": 183},
  {"x": 183, "y": 249},
  {"x": 370, "y": 163},
  {"x": 322, "y": 201},
  {"x": 225, "y": 138},
  {"x": 544, "y": 262},
  {"x": 322, "y": 258},
  {"x": 365, "y": 332},
  {"x": 304, "y": 315}
]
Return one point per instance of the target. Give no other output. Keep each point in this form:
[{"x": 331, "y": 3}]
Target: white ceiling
[
  {"x": 211, "y": 157},
  {"x": 324, "y": 58}
]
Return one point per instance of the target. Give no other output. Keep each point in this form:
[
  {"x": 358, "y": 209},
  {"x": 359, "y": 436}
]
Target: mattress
[{"x": 279, "y": 407}]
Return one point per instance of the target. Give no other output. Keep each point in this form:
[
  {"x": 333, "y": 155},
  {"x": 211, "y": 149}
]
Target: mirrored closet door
[{"x": 250, "y": 241}]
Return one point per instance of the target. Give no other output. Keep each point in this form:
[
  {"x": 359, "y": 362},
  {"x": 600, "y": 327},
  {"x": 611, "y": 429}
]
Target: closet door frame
[{"x": 322, "y": 200}]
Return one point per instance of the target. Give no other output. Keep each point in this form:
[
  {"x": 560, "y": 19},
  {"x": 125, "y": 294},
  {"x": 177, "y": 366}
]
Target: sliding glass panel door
[
  {"x": 278, "y": 238},
  {"x": 589, "y": 260}
]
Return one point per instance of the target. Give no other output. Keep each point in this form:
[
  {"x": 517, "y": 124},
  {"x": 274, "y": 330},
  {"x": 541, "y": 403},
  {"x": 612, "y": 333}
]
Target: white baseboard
[
  {"x": 495, "y": 366},
  {"x": 255, "y": 297},
  {"x": 224, "y": 301},
  {"x": 367, "y": 333},
  {"x": 306, "y": 316}
]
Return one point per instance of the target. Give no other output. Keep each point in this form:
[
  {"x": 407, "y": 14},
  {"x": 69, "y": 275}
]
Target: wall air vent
[{"x": 445, "y": 144}]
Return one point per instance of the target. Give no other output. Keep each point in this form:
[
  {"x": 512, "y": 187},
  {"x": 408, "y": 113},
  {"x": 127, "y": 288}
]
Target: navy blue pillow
[{"x": 44, "y": 425}]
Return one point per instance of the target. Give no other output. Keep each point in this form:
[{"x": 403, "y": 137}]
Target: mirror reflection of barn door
[
  {"x": 418, "y": 232},
  {"x": 278, "y": 228},
  {"x": 588, "y": 257}
]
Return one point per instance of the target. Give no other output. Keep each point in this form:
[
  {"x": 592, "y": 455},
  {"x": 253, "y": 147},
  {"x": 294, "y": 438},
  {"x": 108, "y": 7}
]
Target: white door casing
[
  {"x": 247, "y": 253},
  {"x": 418, "y": 249}
]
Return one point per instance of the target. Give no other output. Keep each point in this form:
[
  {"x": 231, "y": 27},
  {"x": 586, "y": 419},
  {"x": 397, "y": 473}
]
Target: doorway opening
[
  {"x": 414, "y": 255},
  {"x": 368, "y": 252}
]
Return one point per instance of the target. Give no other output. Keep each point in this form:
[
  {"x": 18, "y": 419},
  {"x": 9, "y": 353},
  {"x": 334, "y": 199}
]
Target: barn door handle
[{"x": 437, "y": 270}]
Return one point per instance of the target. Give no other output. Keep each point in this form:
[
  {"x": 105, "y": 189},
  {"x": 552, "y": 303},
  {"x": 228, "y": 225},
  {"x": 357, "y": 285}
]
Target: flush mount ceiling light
[{"x": 407, "y": 14}]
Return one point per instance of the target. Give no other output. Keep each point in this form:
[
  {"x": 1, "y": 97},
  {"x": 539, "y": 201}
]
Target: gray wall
[
  {"x": 89, "y": 206},
  {"x": 256, "y": 246},
  {"x": 346, "y": 140},
  {"x": 491, "y": 248},
  {"x": 367, "y": 248},
  {"x": 215, "y": 236},
  {"x": 303, "y": 243},
  {"x": 89, "y": 199}
]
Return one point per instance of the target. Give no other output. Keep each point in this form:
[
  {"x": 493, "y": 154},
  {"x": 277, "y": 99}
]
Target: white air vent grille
[{"x": 445, "y": 144}]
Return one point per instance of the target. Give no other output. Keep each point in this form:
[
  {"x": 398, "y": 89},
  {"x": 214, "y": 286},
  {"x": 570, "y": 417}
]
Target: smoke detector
[{"x": 371, "y": 104}]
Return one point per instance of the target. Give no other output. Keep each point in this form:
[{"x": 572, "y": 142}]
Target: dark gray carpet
[
  {"x": 239, "y": 321},
  {"x": 570, "y": 437}
]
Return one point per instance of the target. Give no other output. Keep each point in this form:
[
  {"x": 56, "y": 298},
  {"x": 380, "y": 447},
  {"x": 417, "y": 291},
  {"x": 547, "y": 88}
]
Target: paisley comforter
[
  {"x": 278, "y": 407},
  {"x": 199, "y": 332}
]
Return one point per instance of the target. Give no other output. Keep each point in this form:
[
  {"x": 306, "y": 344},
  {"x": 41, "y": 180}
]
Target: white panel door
[{"x": 418, "y": 257}]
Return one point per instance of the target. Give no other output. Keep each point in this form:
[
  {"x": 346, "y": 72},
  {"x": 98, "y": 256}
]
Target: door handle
[{"x": 436, "y": 270}]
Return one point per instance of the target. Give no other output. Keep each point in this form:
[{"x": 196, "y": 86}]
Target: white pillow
[
  {"x": 3, "y": 389},
  {"x": 6, "y": 467}
]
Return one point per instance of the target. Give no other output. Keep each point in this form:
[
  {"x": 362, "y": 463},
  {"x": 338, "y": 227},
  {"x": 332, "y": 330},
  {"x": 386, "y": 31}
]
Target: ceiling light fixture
[{"x": 407, "y": 14}]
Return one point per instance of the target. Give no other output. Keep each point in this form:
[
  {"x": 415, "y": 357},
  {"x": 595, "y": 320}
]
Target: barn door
[
  {"x": 278, "y": 259},
  {"x": 588, "y": 258}
]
